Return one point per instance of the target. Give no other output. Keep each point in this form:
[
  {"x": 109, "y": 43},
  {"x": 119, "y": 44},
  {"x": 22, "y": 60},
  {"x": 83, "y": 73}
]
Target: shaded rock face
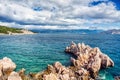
[{"x": 117, "y": 78}]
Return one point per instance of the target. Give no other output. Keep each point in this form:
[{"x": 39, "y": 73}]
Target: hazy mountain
[
  {"x": 80, "y": 31},
  {"x": 112, "y": 31}
]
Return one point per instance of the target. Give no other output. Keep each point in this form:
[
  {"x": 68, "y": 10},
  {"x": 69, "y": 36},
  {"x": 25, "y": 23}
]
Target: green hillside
[{"x": 6, "y": 30}]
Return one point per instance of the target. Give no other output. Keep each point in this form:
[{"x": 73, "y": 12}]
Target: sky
[{"x": 60, "y": 14}]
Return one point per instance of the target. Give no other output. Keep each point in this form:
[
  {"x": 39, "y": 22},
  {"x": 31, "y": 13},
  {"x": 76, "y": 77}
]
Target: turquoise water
[{"x": 34, "y": 52}]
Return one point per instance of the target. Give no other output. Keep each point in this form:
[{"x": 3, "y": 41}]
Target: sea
[{"x": 35, "y": 52}]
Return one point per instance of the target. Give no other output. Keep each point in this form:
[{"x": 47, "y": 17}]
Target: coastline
[
  {"x": 57, "y": 71},
  {"x": 24, "y": 32}
]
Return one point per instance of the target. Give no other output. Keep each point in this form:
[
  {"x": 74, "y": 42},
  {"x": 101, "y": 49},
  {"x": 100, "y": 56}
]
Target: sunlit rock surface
[{"x": 91, "y": 59}]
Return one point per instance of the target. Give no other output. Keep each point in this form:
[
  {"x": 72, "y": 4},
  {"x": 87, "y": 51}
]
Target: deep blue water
[{"x": 34, "y": 52}]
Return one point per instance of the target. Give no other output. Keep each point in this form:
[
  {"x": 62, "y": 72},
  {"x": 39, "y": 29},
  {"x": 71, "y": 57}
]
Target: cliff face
[{"x": 86, "y": 67}]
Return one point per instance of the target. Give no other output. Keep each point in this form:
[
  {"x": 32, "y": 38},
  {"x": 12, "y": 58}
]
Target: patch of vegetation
[{"x": 6, "y": 30}]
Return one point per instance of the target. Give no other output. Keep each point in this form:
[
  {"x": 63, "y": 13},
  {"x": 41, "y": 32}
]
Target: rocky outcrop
[
  {"x": 60, "y": 72},
  {"x": 85, "y": 67},
  {"x": 91, "y": 59}
]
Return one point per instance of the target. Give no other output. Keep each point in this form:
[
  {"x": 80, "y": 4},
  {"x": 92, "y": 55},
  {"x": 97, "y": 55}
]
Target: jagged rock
[
  {"x": 51, "y": 76},
  {"x": 22, "y": 75},
  {"x": 117, "y": 78},
  {"x": 91, "y": 59},
  {"x": 106, "y": 61},
  {"x": 64, "y": 77},
  {"x": 86, "y": 67},
  {"x": 14, "y": 76},
  {"x": 51, "y": 69},
  {"x": 60, "y": 69}
]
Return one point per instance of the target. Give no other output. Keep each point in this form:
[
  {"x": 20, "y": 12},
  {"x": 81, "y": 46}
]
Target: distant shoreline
[
  {"x": 24, "y": 32},
  {"x": 4, "y": 30}
]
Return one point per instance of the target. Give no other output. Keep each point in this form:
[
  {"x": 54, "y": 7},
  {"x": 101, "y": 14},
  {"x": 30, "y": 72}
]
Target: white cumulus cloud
[{"x": 58, "y": 14}]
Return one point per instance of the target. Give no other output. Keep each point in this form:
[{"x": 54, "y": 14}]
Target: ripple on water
[{"x": 34, "y": 52}]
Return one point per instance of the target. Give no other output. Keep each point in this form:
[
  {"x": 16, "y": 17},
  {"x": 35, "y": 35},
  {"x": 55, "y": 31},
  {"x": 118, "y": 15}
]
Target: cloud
[{"x": 54, "y": 14}]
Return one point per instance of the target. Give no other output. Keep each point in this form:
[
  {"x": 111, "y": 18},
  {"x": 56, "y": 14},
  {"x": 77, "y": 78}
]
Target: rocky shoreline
[{"x": 85, "y": 67}]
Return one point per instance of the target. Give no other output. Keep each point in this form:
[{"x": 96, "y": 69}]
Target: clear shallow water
[{"x": 34, "y": 52}]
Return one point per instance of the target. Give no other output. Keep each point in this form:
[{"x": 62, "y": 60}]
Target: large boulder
[
  {"x": 6, "y": 67},
  {"x": 7, "y": 64}
]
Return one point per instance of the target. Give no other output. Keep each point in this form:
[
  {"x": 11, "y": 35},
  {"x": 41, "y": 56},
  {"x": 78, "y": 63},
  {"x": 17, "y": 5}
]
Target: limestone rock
[
  {"x": 7, "y": 64},
  {"x": 91, "y": 59},
  {"x": 14, "y": 76},
  {"x": 106, "y": 61},
  {"x": 50, "y": 77},
  {"x": 6, "y": 67}
]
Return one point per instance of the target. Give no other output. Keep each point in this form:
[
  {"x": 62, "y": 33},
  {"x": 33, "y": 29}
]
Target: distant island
[
  {"x": 4, "y": 30},
  {"x": 112, "y": 31}
]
